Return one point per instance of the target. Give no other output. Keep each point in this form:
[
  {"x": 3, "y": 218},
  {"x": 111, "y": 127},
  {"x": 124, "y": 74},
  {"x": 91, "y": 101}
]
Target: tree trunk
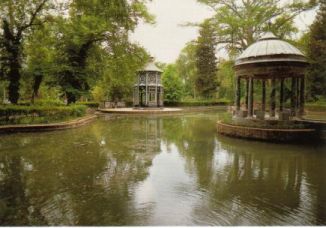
[
  {"x": 14, "y": 78},
  {"x": 36, "y": 86},
  {"x": 71, "y": 98},
  {"x": 12, "y": 45}
]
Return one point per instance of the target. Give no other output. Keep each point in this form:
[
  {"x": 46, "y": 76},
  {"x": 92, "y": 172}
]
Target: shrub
[
  {"x": 316, "y": 107},
  {"x": 91, "y": 104},
  {"x": 16, "y": 114},
  {"x": 196, "y": 103}
]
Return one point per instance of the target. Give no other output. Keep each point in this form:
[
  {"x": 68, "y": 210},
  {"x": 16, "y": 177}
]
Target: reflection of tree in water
[
  {"x": 315, "y": 169},
  {"x": 247, "y": 182},
  {"x": 262, "y": 183},
  {"x": 80, "y": 177},
  {"x": 195, "y": 139}
]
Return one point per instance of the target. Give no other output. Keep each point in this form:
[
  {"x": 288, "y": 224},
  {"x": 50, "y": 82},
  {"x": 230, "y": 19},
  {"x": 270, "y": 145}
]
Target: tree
[
  {"x": 226, "y": 77},
  {"x": 238, "y": 24},
  {"x": 92, "y": 24},
  {"x": 18, "y": 19},
  {"x": 173, "y": 89},
  {"x": 187, "y": 69},
  {"x": 317, "y": 54},
  {"x": 39, "y": 52},
  {"x": 119, "y": 71},
  {"x": 206, "y": 61}
]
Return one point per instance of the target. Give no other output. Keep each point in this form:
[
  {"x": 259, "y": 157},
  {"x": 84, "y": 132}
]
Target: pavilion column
[
  {"x": 238, "y": 94},
  {"x": 263, "y": 101},
  {"x": 156, "y": 92},
  {"x": 247, "y": 94},
  {"x": 273, "y": 98},
  {"x": 298, "y": 94},
  {"x": 293, "y": 96},
  {"x": 302, "y": 95},
  {"x": 282, "y": 95},
  {"x": 146, "y": 91},
  {"x": 251, "y": 98},
  {"x": 134, "y": 96}
]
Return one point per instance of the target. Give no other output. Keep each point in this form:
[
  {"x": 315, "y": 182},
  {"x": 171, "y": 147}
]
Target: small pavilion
[
  {"x": 148, "y": 90},
  {"x": 273, "y": 63}
]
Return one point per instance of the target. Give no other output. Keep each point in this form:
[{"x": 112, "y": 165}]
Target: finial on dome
[{"x": 268, "y": 36}]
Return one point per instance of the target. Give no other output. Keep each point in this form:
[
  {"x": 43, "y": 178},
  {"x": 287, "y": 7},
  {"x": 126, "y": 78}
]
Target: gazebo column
[
  {"x": 298, "y": 95},
  {"x": 247, "y": 94},
  {"x": 263, "y": 95},
  {"x": 251, "y": 98},
  {"x": 156, "y": 92},
  {"x": 273, "y": 99},
  {"x": 238, "y": 94},
  {"x": 146, "y": 91},
  {"x": 282, "y": 95},
  {"x": 302, "y": 95},
  {"x": 293, "y": 96}
]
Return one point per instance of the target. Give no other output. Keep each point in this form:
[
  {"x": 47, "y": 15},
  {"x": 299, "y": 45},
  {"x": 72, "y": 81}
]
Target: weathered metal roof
[
  {"x": 151, "y": 67},
  {"x": 268, "y": 48}
]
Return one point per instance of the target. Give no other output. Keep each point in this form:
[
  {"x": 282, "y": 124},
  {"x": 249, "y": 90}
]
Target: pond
[{"x": 158, "y": 170}]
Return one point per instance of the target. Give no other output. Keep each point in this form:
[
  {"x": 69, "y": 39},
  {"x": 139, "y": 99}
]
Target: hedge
[
  {"x": 17, "y": 114},
  {"x": 316, "y": 107},
  {"x": 90, "y": 104},
  {"x": 196, "y": 103}
]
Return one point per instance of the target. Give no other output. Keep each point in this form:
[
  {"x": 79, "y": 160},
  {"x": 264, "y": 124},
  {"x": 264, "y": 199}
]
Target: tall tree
[
  {"x": 187, "y": 68},
  {"x": 18, "y": 18},
  {"x": 206, "y": 61},
  {"x": 317, "y": 54},
  {"x": 173, "y": 89},
  {"x": 239, "y": 23},
  {"x": 93, "y": 23},
  {"x": 39, "y": 52}
]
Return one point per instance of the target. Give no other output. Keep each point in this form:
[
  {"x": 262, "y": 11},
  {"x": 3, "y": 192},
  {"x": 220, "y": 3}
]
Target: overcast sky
[{"x": 166, "y": 38}]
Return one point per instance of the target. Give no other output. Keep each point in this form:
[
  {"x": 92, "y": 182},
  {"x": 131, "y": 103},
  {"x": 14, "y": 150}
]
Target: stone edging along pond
[
  {"x": 47, "y": 127},
  {"x": 277, "y": 135}
]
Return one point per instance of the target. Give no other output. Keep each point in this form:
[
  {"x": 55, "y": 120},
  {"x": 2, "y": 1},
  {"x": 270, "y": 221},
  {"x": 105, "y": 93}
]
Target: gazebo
[
  {"x": 275, "y": 63},
  {"x": 148, "y": 90}
]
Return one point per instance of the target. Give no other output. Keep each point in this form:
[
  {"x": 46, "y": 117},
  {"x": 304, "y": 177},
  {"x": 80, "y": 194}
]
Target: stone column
[
  {"x": 282, "y": 95},
  {"x": 247, "y": 94},
  {"x": 273, "y": 100},
  {"x": 156, "y": 92},
  {"x": 298, "y": 94},
  {"x": 146, "y": 91},
  {"x": 238, "y": 93},
  {"x": 251, "y": 98},
  {"x": 302, "y": 95},
  {"x": 134, "y": 96},
  {"x": 293, "y": 96},
  {"x": 263, "y": 100}
]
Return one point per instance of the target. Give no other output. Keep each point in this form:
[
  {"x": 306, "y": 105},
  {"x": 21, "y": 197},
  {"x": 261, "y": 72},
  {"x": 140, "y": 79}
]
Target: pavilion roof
[{"x": 269, "y": 48}]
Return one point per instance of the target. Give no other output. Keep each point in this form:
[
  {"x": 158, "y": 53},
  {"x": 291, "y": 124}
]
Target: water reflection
[
  {"x": 79, "y": 177},
  {"x": 250, "y": 183},
  {"x": 171, "y": 170}
]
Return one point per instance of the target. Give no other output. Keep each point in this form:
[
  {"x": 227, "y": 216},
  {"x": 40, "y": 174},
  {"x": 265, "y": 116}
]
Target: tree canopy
[
  {"x": 317, "y": 54},
  {"x": 238, "y": 24}
]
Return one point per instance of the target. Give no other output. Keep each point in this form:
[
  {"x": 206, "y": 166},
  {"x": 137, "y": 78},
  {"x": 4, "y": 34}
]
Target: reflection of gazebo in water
[
  {"x": 271, "y": 61},
  {"x": 148, "y": 90}
]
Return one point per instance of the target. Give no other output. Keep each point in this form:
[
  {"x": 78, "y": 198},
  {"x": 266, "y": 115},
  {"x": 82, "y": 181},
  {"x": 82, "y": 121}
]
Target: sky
[{"x": 168, "y": 37}]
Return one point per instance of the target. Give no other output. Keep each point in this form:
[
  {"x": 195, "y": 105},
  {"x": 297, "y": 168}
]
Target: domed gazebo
[
  {"x": 148, "y": 90},
  {"x": 270, "y": 62}
]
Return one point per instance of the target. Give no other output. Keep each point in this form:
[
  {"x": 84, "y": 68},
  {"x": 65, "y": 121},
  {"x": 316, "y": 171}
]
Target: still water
[{"x": 163, "y": 170}]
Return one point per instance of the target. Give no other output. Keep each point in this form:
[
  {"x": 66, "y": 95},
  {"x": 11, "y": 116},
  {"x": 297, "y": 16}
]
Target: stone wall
[{"x": 277, "y": 135}]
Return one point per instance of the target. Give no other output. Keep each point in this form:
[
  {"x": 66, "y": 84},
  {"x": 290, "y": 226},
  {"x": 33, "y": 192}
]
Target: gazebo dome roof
[
  {"x": 151, "y": 67},
  {"x": 269, "y": 48}
]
